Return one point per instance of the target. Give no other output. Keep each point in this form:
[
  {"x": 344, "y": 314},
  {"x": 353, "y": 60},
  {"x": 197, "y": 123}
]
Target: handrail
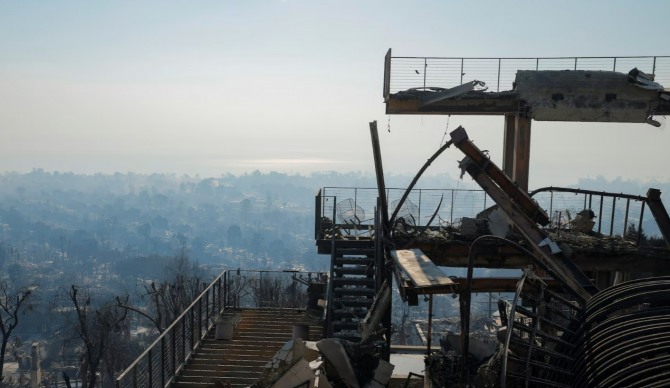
[
  {"x": 170, "y": 335},
  {"x": 421, "y": 203},
  {"x": 161, "y": 361},
  {"x": 407, "y": 72},
  {"x": 588, "y": 203}
]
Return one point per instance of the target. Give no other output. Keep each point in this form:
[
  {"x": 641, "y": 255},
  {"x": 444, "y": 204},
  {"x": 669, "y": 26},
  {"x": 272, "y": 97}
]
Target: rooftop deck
[{"x": 434, "y": 85}]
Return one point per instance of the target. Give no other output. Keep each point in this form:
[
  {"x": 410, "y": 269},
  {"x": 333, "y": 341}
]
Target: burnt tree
[{"x": 13, "y": 303}]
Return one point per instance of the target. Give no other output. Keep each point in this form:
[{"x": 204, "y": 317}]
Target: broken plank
[{"x": 420, "y": 269}]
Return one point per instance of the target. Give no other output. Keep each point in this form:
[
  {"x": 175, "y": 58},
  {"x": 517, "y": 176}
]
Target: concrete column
[
  {"x": 516, "y": 149},
  {"x": 509, "y": 141},
  {"x": 522, "y": 152}
]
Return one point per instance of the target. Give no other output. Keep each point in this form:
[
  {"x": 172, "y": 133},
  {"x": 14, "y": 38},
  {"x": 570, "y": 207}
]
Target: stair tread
[{"x": 258, "y": 336}]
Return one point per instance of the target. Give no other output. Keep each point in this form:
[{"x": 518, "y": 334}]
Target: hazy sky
[{"x": 211, "y": 87}]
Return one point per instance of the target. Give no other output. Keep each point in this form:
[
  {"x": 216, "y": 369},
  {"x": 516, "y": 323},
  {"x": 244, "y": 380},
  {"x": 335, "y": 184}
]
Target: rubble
[{"x": 325, "y": 363}]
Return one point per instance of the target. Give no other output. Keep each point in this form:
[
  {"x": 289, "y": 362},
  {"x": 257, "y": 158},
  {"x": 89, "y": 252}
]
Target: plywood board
[{"x": 420, "y": 269}]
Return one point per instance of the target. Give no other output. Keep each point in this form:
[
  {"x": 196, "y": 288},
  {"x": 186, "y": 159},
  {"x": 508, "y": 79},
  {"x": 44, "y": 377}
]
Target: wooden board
[{"x": 420, "y": 269}]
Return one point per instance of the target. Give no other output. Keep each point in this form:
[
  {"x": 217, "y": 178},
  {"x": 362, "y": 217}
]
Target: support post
[
  {"x": 509, "y": 140},
  {"x": 521, "y": 152},
  {"x": 379, "y": 169}
]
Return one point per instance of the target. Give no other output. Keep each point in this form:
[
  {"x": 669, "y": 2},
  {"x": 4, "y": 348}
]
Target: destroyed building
[{"x": 590, "y": 309}]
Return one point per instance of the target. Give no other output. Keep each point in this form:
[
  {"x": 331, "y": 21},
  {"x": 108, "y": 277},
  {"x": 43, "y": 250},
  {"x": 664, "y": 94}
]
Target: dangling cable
[{"x": 446, "y": 129}]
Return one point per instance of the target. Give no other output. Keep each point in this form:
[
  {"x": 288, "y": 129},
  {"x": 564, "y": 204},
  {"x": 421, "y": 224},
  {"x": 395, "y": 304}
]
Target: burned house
[
  {"x": 572, "y": 258},
  {"x": 591, "y": 307}
]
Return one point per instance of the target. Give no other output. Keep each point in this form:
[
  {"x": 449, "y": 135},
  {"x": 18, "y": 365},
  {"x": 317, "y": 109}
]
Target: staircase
[
  {"x": 239, "y": 362},
  {"x": 353, "y": 287}
]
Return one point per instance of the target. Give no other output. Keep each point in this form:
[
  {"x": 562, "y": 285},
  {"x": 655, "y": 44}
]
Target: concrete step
[
  {"x": 208, "y": 382},
  {"x": 257, "y": 338},
  {"x": 214, "y": 362},
  {"x": 222, "y": 372}
]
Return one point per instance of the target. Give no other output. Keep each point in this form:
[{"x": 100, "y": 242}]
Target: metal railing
[
  {"x": 614, "y": 212},
  {"x": 158, "y": 365},
  {"x": 354, "y": 209},
  {"x": 539, "y": 345},
  {"x": 402, "y": 73}
]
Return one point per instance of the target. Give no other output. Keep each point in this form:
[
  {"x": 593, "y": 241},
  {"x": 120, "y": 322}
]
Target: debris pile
[{"x": 326, "y": 363}]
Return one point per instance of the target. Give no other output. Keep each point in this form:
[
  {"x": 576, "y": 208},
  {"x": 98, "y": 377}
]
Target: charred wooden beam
[
  {"x": 379, "y": 169},
  {"x": 511, "y": 190},
  {"x": 498, "y": 186}
]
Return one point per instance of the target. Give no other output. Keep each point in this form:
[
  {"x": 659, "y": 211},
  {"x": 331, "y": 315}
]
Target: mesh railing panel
[{"x": 499, "y": 73}]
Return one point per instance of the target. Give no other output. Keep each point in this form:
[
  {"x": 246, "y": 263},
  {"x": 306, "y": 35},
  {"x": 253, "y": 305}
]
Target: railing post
[
  {"x": 199, "y": 319},
  {"x": 612, "y": 220},
  {"x": 614, "y": 67},
  {"x": 461, "y": 71},
  {"x": 600, "y": 214},
  {"x": 191, "y": 345},
  {"x": 653, "y": 68},
  {"x": 225, "y": 290},
  {"x": 183, "y": 340},
  {"x": 575, "y": 63},
  {"x": 149, "y": 369},
  {"x": 639, "y": 225},
  {"x": 174, "y": 351},
  {"x": 625, "y": 220},
  {"x": 498, "y": 88},
  {"x": 162, "y": 361},
  {"x": 260, "y": 290},
  {"x": 226, "y": 302},
  {"x": 425, "y": 69},
  {"x": 418, "y": 222}
]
